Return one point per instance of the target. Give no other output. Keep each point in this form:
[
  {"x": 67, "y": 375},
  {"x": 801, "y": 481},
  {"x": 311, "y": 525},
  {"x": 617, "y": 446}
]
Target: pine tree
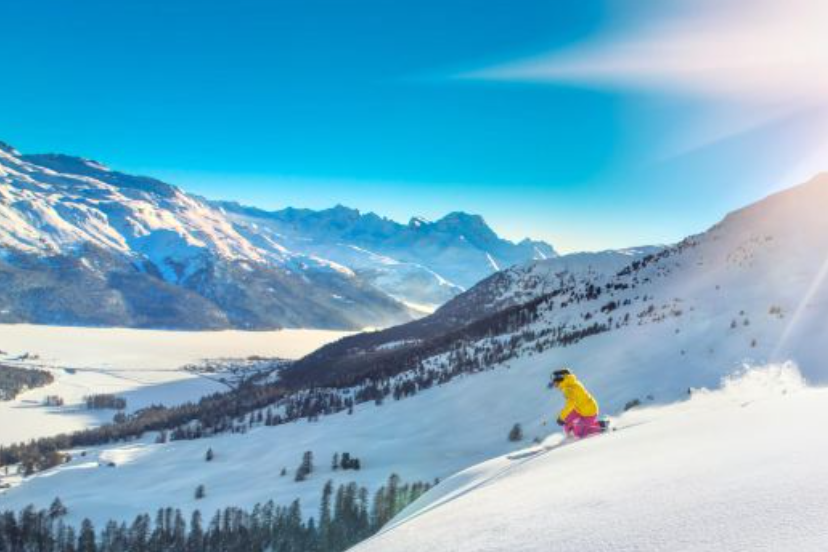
[
  {"x": 200, "y": 492},
  {"x": 335, "y": 462},
  {"x": 178, "y": 539},
  {"x": 516, "y": 433},
  {"x": 195, "y": 540},
  {"x": 109, "y": 536},
  {"x": 70, "y": 541},
  {"x": 378, "y": 512},
  {"x": 306, "y": 467},
  {"x": 65, "y": 539},
  {"x": 325, "y": 516},
  {"x": 393, "y": 494},
  {"x": 86, "y": 539},
  {"x": 139, "y": 533},
  {"x": 57, "y": 509}
]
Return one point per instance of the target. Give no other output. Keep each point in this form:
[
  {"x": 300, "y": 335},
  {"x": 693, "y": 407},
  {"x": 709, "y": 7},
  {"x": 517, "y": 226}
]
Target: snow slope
[
  {"x": 525, "y": 282},
  {"x": 56, "y": 203},
  {"x": 752, "y": 287},
  {"x": 433, "y": 434},
  {"x": 750, "y": 290},
  {"x": 143, "y": 366},
  {"x": 741, "y": 468}
]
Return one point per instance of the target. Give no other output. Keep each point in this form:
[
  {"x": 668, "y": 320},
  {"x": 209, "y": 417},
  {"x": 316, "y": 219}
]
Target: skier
[{"x": 579, "y": 416}]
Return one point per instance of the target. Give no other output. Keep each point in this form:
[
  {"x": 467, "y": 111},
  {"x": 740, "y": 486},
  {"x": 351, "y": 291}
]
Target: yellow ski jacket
[{"x": 577, "y": 398}]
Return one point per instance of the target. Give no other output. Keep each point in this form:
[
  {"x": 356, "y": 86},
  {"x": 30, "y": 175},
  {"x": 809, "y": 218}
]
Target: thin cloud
[
  {"x": 766, "y": 51},
  {"x": 749, "y": 61}
]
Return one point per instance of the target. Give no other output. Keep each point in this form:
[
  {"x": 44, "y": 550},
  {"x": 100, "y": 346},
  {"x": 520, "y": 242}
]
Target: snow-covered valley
[{"x": 145, "y": 367}]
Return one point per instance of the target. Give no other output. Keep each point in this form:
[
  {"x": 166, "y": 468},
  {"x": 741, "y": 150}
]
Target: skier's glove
[{"x": 560, "y": 422}]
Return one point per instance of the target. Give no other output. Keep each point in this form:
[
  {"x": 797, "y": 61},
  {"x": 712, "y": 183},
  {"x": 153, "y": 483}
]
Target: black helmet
[{"x": 559, "y": 375}]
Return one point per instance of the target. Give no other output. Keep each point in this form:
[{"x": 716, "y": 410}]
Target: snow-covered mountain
[
  {"x": 422, "y": 262},
  {"x": 756, "y": 276},
  {"x": 82, "y": 244},
  {"x": 436, "y": 396},
  {"x": 528, "y": 281}
]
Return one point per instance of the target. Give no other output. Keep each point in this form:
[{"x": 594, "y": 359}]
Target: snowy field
[
  {"x": 435, "y": 433},
  {"x": 742, "y": 468},
  {"x": 143, "y": 366}
]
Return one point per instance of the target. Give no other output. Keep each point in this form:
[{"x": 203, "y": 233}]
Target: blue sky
[{"x": 514, "y": 110}]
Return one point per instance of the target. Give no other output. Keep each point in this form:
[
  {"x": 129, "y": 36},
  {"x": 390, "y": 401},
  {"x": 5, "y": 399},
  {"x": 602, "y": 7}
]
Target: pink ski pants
[{"x": 581, "y": 426}]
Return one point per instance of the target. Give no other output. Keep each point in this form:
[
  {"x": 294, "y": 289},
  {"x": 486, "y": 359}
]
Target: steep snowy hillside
[
  {"x": 526, "y": 282},
  {"x": 723, "y": 471},
  {"x": 429, "y": 399},
  {"x": 488, "y": 300},
  {"x": 752, "y": 287},
  {"x": 423, "y": 262},
  {"x": 82, "y": 244}
]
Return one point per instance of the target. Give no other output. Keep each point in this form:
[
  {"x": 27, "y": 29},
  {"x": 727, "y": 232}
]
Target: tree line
[
  {"x": 346, "y": 517},
  {"x": 104, "y": 401},
  {"x": 14, "y": 380}
]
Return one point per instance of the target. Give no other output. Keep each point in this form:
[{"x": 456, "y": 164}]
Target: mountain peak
[
  {"x": 461, "y": 217},
  {"x": 67, "y": 163},
  {"x": 470, "y": 227},
  {"x": 342, "y": 213},
  {"x": 8, "y": 149},
  {"x": 417, "y": 222},
  {"x": 339, "y": 208},
  {"x": 540, "y": 249},
  {"x": 80, "y": 166}
]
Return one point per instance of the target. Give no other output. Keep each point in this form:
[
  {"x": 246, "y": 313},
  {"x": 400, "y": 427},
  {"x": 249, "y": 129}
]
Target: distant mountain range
[
  {"x": 83, "y": 244},
  {"x": 425, "y": 263}
]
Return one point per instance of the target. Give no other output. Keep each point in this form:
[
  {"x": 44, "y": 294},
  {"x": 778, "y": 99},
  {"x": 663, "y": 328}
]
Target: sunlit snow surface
[
  {"x": 741, "y": 468},
  {"x": 143, "y": 366},
  {"x": 750, "y": 291}
]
